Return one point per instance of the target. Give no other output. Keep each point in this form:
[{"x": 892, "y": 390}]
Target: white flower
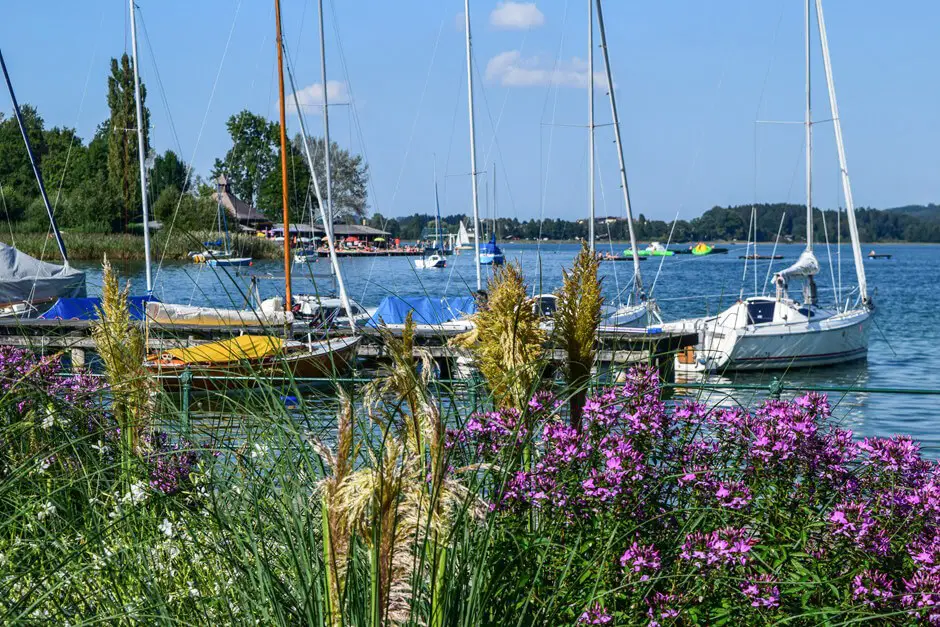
[
  {"x": 44, "y": 511},
  {"x": 258, "y": 450},
  {"x": 137, "y": 494},
  {"x": 101, "y": 447},
  {"x": 166, "y": 528},
  {"x": 49, "y": 419}
]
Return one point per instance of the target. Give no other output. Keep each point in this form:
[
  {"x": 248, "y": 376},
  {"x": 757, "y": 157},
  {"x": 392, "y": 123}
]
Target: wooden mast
[{"x": 288, "y": 303}]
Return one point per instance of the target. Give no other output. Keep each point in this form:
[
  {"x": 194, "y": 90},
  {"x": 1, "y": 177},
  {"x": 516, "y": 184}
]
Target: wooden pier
[{"x": 618, "y": 346}]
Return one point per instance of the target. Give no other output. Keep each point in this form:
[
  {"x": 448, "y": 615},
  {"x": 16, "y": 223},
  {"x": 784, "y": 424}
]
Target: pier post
[
  {"x": 78, "y": 359},
  {"x": 186, "y": 382}
]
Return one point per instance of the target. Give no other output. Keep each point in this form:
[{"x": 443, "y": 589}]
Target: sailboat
[
  {"x": 269, "y": 355},
  {"x": 490, "y": 252},
  {"x": 219, "y": 252},
  {"x": 29, "y": 286},
  {"x": 782, "y": 332},
  {"x": 434, "y": 256},
  {"x": 463, "y": 239}
]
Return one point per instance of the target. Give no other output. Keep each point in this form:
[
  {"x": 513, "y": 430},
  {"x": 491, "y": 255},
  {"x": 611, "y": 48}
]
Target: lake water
[{"x": 905, "y": 341}]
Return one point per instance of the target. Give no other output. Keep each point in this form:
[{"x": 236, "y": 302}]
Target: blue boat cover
[
  {"x": 490, "y": 248},
  {"x": 394, "y": 309},
  {"x": 217, "y": 242},
  {"x": 86, "y": 308}
]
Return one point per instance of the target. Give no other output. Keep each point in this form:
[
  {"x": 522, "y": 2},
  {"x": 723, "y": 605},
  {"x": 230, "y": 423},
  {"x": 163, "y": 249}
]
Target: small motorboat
[
  {"x": 655, "y": 249},
  {"x": 609, "y": 257},
  {"x": 757, "y": 257},
  {"x": 873, "y": 255},
  {"x": 306, "y": 255},
  {"x": 704, "y": 249},
  {"x": 230, "y": 261},
  {"x": 433, "y": 260}
]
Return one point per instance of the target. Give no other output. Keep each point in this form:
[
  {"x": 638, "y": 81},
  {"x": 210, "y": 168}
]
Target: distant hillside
[{"x": 924, "y": 212}]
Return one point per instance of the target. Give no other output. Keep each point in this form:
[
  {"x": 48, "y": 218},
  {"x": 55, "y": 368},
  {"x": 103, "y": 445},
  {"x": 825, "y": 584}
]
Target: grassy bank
[{"x": 124, "y": 247}]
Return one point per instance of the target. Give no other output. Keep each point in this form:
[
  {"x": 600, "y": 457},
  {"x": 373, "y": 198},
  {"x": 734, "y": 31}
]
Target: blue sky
[{"x": 691, "y": 78}]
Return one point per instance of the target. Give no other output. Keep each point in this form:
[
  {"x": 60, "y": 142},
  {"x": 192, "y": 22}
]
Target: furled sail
[
  {"x": 25, "y": 279},
  {"x": 806, "y": 266},
  {"x": 167, "y": 314}
]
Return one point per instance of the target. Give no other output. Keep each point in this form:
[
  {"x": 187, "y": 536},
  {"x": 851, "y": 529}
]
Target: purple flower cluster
[
  {"x": 171, "y": 463},
  {"x": 641, "y": 559},
  {"x": 762, "y": 591},
  {"x": 922, "y": 596},
  {"x": 729, "y": 546},
  {"x": 490, "y": 433},
  {"x": 872, "y": 588},
  {"x": 662, "y": 607},
  {"x": 595, "y": 615}
]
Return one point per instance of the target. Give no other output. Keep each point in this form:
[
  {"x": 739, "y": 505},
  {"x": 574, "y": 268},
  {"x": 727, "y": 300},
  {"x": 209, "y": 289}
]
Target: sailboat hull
[
  {"x": 323, "y": 359},
  {"x": 491, "y": 260},
  {"x": 838, "y": 339}
]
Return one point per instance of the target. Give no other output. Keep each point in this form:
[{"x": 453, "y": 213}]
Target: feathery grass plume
[
  {"x": 336, "y": 529},
  {"x": 122, "y": 348},
  {"x": 576, "y": 321},
  {"x": 403, "y": 384},
  {"x": 507, "y": 341}
]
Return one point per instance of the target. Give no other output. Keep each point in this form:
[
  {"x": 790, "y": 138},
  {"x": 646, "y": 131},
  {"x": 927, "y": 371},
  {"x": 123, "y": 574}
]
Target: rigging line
[
  {"x": 832, "y": 274},
  {"x": 610, "y": 242},
  {"x": 6, "y": 213},
  {"x": 499, "y": 151},
  {"x": 662, "y": 260},
  {"x": 414, "y": 123},
  {"x": 156, "y": 71},
  {"x": 551, "y": 134},
  {"x": 202, "y": 128}
]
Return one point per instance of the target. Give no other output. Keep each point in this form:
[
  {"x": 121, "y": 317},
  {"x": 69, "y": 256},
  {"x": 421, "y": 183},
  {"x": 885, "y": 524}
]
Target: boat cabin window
[
  {"x": 806, "y": 311},
  {"x": 760, "y": 312},
  {"x": 547, "y": 306}
]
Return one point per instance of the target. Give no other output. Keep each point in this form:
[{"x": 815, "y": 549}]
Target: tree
[
  {"x": 168, "y": 171},
  {"x": 65, "y": 164},
  {"x": 123, "y": 152},
  {"x": 15, "y": 169},
  {"x": 252, "y": 157},
  {"x": 186, "y": 211}
]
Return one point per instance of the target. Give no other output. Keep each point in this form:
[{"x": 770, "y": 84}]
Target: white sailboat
[
  {"x": 434, "y": 256},
  {"x": 463, "y": 238},
  {"x": 781, "y": 332}
]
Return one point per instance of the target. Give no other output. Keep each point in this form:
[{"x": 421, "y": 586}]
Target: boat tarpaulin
[
  {"x": 490, "y": 248},
  {"x": 87, "y": 308},
  {"x": 805, "y": 266},
  {"x": 27, "y": 279},
  {"x": 242, "y": 347},
  {"x": 168, "y": 314},
  {"x": 426, "y": 310}
]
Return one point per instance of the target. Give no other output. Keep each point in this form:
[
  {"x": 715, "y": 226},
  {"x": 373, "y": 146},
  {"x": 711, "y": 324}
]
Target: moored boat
[{"x": 260, "y": 358}]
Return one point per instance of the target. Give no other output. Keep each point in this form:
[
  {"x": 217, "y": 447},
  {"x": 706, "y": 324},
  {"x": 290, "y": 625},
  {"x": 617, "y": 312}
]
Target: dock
[{"x": 618, "y": 347}]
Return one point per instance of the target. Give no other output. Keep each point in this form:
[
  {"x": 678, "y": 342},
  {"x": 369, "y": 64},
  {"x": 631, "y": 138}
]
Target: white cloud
[
  {"x": 311, "y": 97},
  {"x": 511, "y": 69},
  {"x": 510, "y": 15}
]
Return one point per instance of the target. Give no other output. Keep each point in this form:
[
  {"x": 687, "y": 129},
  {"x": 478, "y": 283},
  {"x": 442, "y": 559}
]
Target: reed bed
[{"x": 126, "y": 247}]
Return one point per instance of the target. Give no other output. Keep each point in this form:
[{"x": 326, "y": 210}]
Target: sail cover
[
  {"x": 87, "y": 308},
  {"x": 424, "y": 310},
  {"x": 805, "y": 266},
  {"x": 27, "y": 279}
]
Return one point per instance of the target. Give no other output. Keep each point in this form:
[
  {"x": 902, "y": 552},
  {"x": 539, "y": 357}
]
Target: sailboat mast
[
  {"x": 637, "y": 278},
  {"x": 439, "y": 240},
  {"x": 326, "y": 125},
  {"x": 846, "y": 184},
  {"x": 591, "y": 124},
  {"x": 141, "y": 152},
  {"x": 330, "y": 242},
  {"x": 32, "y": 161},
  {"x": 288, "y": 303},
  {"x": 473, "y": 147},
  {"x": 808, "y": 122}
]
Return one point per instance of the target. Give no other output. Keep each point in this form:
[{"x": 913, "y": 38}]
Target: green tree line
[{"x": 916, "y": 223}]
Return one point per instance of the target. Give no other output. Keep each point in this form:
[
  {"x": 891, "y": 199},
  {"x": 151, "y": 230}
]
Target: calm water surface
[{"x": 905, "y": 341}]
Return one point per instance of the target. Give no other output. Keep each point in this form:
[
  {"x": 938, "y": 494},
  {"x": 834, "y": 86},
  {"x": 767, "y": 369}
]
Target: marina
[{"x": 325, "y": 395}]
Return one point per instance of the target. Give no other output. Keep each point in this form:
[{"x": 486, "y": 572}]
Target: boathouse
[{"x": 248, "y": 218}]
